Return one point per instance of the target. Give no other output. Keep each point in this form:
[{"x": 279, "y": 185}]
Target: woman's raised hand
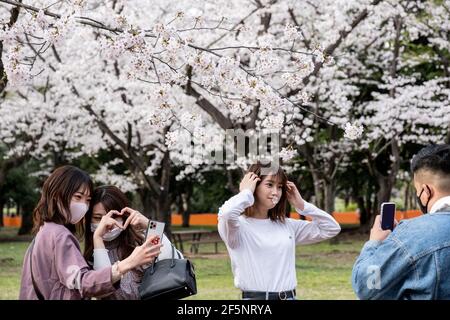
[
  {"x": 249, "y": 182},
  {"x": 107, "y": 223},
  {"x": 136, "y": 219},
  {"x": 293, "y": 196}
]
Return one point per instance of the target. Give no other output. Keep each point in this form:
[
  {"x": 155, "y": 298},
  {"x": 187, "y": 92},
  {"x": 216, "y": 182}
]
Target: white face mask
[
  {"x": 77, "y": 211},
  {"x": 110, "y": 235}
]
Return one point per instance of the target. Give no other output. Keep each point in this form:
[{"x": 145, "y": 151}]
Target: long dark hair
[
  {"x": 112, "y": 198},
  {"x": 57, "y": 192},
  {"x": 277, "y": 213}
]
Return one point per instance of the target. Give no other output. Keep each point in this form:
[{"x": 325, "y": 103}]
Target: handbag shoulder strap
[
  {"x": 178, "y": 252},
  {"x": 36, "y": 289},
  {"x": 172, "y": 264},
  {"x": 173, "y": 252}
]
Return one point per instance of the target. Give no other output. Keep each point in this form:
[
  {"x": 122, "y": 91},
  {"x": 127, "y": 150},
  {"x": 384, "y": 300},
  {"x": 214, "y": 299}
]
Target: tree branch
[
  {"x": 224, "y": 122},
  {"x": 234, "y": 27},
  {"x": 151, "y": 182},
  {"x": 332, "y": 47},
  {"x": 396, "y": 52},
  {"x": 82, "y": 20},
  {"x": 12, "y": 20},
  {"x": 294, "y": 19}
]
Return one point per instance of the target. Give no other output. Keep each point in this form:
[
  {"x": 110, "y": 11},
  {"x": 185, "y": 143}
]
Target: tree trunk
[
  {"x": 386, "y": 183},
  {"x": 318, "y": 191},
  {"x": 330, "y": 193},
  {"x": 27, "y": 225},
  {"x": 185, "y": 210},
  {"x": 148, "y": 204},
  {"x": 185, "y": 215},
  {"x": 2, "y": 182},
  {"x": 412, "y": 198},
  {"x": 346, "y": 200},
  {"x": 2, "y": 205},
  {"x": 27, "y": 219},
  {"x": 406, "y": 202},
  {"x": 231, "y": 181},
  {"x": 363, "y": 212},
  {"x": 366, "y": 211},
  {"x": 157, "y": 208},
  {"x": 163, "y": 204},
  {"x": 164, "y": 214},
  {"x": 384, "y": 192}
]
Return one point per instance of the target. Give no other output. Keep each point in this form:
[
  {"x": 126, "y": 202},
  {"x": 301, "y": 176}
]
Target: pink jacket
[{"x": 60, "y": 270}]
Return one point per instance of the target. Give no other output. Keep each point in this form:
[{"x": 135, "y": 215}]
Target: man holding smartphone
[{"x": 413, "y": 260}]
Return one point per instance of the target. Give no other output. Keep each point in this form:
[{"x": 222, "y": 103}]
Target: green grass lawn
[
  {"x": 11, "y": 257},
  {"x": 323, "y": 270}
]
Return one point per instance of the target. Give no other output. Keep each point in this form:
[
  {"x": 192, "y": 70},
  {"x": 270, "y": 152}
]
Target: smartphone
[
  {"x": 387, "y": 215},
  {"x": 155, "y": 228}
]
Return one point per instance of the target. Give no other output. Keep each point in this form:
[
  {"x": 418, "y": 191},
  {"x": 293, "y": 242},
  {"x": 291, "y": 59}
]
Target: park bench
[
  {"x": 181, "y": 236},
  {"x": 196, "y": 244}
]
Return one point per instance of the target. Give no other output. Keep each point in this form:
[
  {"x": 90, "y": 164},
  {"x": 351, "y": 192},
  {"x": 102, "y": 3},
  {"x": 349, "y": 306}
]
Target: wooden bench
[
  {"x": 195, "y": 244},
  {"x": 180, "y": 236}
]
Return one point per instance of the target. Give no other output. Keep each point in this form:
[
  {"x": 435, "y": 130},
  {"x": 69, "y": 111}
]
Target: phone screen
[{"x": 387, "y": 216}]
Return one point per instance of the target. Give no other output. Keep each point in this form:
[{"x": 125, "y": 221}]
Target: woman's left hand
[
  {"x": 107, "y": 224},
  {"x": 136, "y": 219},
  {"x": 294, "y": 197}
]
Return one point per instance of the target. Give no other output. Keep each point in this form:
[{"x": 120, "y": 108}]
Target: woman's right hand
[
  {"x": 107, "y": 224},
  {"x": 144, "y": 254},
  {"x": 249, "y": 182}
]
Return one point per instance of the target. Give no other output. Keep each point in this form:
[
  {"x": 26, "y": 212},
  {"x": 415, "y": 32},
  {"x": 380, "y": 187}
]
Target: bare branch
[{"x": 234, "y": 27}]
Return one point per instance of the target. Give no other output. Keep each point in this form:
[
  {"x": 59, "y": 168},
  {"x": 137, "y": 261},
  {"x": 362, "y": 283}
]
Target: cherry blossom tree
[
  {"x": 408, "y": 105},
  {"x": 158, "y": 84}
]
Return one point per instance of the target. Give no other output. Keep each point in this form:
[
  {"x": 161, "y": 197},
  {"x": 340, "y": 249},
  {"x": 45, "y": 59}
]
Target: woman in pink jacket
[{"x": 54, "y": 267}]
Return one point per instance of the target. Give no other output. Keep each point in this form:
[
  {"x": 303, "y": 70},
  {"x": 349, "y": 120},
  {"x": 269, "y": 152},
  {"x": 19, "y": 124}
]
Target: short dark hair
[{"x": 435, "y": 158}]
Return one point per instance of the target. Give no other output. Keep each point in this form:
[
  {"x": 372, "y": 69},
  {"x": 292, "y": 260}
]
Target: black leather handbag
[{"x": 168, "y": 279}]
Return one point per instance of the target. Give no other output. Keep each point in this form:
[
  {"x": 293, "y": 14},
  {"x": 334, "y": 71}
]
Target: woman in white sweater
[{"x": 260, "y": 238}]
